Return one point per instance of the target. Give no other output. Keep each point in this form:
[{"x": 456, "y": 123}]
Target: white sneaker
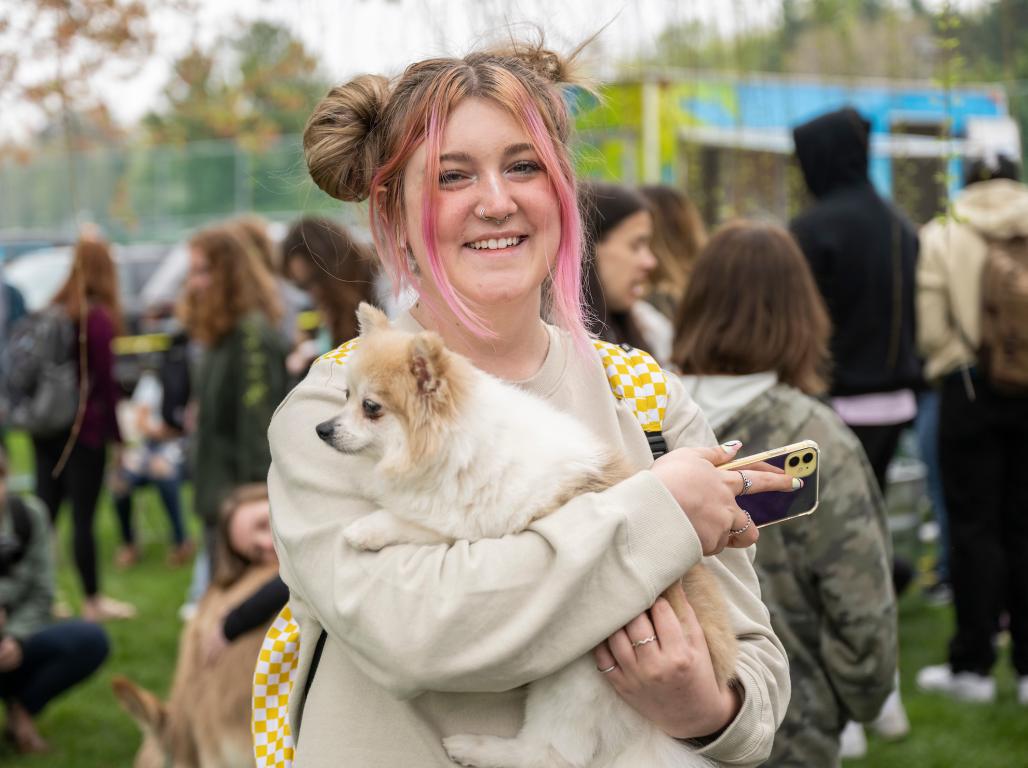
[
  {"x": 1022, "y": 691},
  {"x": 852, "y": 741},
  {"x": 965, "y": 686},
  {"x": 892, "y": 722}
]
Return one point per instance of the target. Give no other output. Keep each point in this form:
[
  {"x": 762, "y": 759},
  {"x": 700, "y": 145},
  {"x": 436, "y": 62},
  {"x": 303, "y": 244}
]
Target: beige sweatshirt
[
  {"x": 949, "y": 271},
  {"x": 428, "y": 641}
]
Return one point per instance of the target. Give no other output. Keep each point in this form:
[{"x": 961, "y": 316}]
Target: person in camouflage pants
[{"x": 826, "y": 578}]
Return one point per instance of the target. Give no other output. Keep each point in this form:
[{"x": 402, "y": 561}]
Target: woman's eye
[
  {"x": 525, "y": 167},
  {"x": 371, "y": 409},
  {"x": 449, "y": 178}
]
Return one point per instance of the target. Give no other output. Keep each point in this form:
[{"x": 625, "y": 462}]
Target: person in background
[
  {"x": 90, "y": 297},
  {"x": 617, "y": 229},
  {"x": 12, "y": 309},
  {"x": 678, "y": 236},
  {"x": 292, "y": 300},
  {"x": 323, "y": 259},
  {"x": 982, "y": 430},
  {"x": 230, "y": 307},
  {"x": 39, "y": 659},
  {"x": 825, "y": 578},
  {"x": 863, "y": 254},
  {"x": 246, "y": 541}
]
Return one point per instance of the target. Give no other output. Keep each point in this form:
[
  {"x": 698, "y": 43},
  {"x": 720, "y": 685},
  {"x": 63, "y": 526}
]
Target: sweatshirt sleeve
[
  {"x": 100, "y": 365},
  {"x": 851, "y": 564},
  {"x": 763, "y": 667},
  {"x": 473, "y": 617},
  {"x": 933, "y": 311},
  {"x": 32, "y": 610}
]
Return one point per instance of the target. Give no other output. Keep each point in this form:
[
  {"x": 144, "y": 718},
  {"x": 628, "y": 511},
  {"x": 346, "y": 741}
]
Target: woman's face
[
  {"x": 249, "y": 532},
  {"x": 487, "y": 165},
  {"x": 624, "y": 261},
  {"x": 199, "y": 278}
]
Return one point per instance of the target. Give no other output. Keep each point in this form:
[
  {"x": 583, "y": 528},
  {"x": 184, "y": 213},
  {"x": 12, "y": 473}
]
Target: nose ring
[{"x": 481, "y": 214}]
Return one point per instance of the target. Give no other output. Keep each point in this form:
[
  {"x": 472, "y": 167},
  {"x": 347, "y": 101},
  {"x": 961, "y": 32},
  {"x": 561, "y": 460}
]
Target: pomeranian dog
[{"x": 454, "y": 453}]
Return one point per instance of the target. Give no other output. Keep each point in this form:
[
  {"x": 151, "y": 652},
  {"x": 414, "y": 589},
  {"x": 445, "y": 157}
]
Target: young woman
[
  {"x": 473, "y": 204},
  {"x": 618, "y": 230},
  {"x": 231, "y": 308},
  {"x": 826, "y": 577},
  {"x": 90, "y": 297}
]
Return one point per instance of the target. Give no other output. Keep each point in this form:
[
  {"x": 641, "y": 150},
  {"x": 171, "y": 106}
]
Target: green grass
[{"x": 89, "y": 730}]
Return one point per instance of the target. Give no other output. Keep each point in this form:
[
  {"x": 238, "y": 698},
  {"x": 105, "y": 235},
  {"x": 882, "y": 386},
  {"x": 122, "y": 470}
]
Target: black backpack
[{"x": 41, "y": 382}]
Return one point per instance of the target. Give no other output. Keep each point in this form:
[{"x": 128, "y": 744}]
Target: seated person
[
  {"x": 245, "y": 540},
  {"x": 39, "y": 658}
]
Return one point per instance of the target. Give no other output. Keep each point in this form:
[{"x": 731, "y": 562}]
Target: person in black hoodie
[{"x": 863, "y": 254}]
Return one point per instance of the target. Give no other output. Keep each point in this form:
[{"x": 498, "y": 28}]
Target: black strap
[{"x": 315, "y": 660}]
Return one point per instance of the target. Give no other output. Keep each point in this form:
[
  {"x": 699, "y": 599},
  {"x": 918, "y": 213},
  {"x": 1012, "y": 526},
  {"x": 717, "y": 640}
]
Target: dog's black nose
[{"x": 326, "y": 429}]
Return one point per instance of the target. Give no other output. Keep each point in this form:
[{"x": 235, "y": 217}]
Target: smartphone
[{"x": 770, "y": 507}]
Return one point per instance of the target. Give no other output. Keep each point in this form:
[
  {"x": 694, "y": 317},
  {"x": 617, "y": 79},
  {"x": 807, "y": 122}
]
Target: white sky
[{"x": 382, "y": 36}]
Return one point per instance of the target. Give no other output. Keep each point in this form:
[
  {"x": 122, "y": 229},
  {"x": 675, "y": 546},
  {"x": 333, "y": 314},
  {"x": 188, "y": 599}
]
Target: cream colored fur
[
  {"x": 206, "y": 721},
  {"x": 448, "y": 452}
]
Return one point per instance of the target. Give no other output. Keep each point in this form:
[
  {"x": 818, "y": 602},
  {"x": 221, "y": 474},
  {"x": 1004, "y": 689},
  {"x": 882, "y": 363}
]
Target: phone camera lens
[
  {"x": 807, "y": 458},
  {"x": 794, "y": 461}
]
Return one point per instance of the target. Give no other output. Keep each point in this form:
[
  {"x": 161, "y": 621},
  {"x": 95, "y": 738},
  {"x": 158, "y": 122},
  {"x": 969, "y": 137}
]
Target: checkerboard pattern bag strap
[{"x": 637, "y": 379}]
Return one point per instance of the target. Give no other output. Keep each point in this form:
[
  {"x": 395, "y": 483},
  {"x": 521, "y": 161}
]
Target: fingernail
[
  {"x": 796, "y": 483},
  {"x": 731, "y": 446}
]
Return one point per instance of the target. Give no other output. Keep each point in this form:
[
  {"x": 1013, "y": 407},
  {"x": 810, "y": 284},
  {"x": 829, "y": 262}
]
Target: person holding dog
[{"x": 473, "y": 205}]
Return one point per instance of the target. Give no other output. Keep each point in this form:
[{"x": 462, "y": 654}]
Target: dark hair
[
  {"x": 342, "y": 272},
  {"x": 1001, "y": 167},
  {"x": 230, "y": 564},
  {"x": 603, "y": 207},
  {"x": 752, "y": 306}
]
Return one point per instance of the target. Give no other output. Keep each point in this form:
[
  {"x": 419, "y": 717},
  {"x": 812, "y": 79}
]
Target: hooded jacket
[
  {"x": 949, "y": 273},
  {"x": 863, "y": 254}
]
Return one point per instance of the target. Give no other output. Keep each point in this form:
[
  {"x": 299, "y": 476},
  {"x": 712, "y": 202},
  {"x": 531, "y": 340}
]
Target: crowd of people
[{"x": 841, "y": 326}]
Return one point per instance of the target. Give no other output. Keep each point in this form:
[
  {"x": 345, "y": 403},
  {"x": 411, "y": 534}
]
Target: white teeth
[{"x": 494, "y": 244}]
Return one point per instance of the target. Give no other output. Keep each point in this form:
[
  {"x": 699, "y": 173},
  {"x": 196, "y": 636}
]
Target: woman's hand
[
  {"x": 707, "y": 494},
  {"x": 668, "y": 680},
  {"x": 10, "y": 654}
]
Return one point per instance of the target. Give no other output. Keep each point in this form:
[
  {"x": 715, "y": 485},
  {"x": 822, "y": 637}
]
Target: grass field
[{"x": 88, "y": 730}]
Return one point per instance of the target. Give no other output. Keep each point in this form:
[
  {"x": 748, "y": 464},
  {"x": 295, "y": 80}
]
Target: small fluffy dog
[{"x": 454, "y": 453}]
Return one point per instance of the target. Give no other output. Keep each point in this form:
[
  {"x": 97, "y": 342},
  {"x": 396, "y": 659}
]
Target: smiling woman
[{"x": 473, "y": 205}]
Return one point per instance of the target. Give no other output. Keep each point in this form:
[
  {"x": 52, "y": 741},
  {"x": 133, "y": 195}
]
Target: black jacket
[{"x": 863, "y": 254}]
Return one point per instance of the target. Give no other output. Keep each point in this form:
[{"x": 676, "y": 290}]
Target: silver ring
[
  {"x": 481, "y": 214},
  {"x": 740, "y": 531},
  {"x": 611, "y": 668},
  {"x": 650, "y": 639},
  {"x": 746, "y": 483}
]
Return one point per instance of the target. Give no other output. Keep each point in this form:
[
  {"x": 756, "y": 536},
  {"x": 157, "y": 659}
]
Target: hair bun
[
  {"x": 549, "y": 65},
  {"x": 340, "y": 142}
]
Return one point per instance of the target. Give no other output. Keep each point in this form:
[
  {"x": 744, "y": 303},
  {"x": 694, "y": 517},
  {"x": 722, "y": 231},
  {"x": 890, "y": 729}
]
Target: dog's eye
[
  {"x": 346, "y": 394},
  {"x": 371, "y": 409}
]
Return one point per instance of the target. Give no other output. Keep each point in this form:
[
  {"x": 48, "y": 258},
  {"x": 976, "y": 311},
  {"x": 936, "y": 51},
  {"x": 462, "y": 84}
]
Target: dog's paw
[
  {"x": 368, "y": 534},
  {"x": 466, "y": 749}
]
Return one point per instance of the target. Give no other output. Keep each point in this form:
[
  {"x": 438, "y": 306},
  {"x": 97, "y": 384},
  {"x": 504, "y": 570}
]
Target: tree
[{"x": 253, "y": 88}]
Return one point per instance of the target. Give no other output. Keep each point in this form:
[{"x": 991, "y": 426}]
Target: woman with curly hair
[{"x": 231, "y": 308}]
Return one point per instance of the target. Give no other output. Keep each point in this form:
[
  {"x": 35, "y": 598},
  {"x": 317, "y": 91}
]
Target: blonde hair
[{"x": 363, "y": 133}]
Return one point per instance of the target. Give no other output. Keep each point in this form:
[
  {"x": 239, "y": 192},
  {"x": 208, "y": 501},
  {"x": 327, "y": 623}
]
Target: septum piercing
[{"x": 481, "y": 214}]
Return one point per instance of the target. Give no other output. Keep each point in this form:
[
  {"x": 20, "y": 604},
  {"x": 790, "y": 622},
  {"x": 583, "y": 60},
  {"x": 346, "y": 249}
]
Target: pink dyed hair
[{"x": 416, "y": 113}]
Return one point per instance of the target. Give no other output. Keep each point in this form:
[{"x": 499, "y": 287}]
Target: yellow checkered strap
[
  {"x": 635, "y": 378},
  {"x": 272, "y": 683}
]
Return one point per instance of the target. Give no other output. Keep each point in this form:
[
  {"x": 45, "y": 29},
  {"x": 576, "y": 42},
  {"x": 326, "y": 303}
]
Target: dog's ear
[
  {"x": 145, "y": 708},
  {"x": 428, "y": 362},
  {"x": 370, "y": 318}
]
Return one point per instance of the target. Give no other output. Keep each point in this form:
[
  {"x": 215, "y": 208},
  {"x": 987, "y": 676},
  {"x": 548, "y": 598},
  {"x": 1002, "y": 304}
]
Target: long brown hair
[
  {"x": 240, "y": 283},
  {"x": 678, "y": 237},
  {"x": 342, "y": 272},
  {"x": 230, "y": 564},
  {"x": 752, "y": 306},
  {"x": 94, "y": 278}
]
